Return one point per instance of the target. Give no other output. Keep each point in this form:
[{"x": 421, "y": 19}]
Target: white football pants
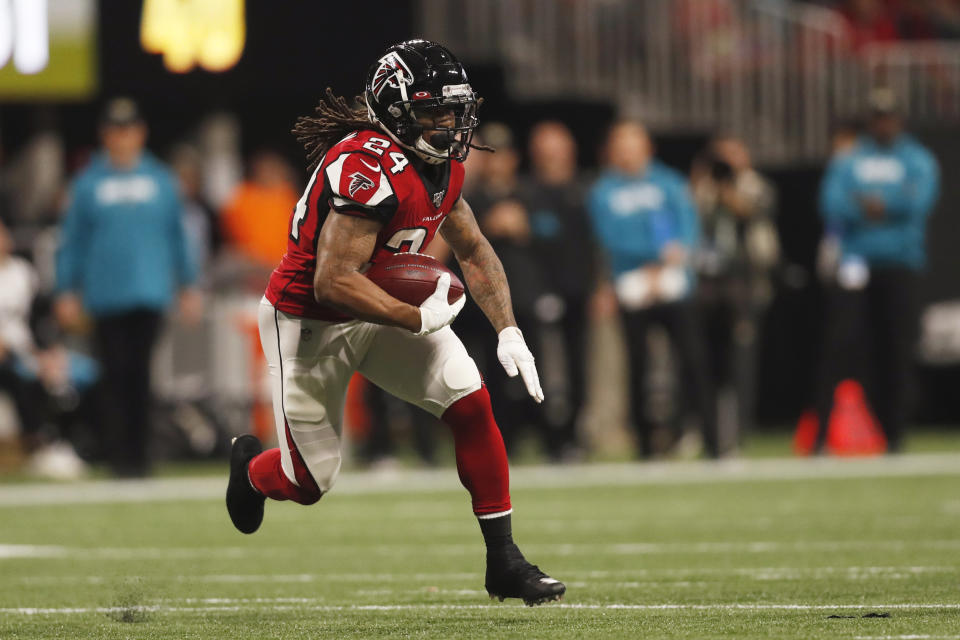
[{"x": 311, "y": 363}]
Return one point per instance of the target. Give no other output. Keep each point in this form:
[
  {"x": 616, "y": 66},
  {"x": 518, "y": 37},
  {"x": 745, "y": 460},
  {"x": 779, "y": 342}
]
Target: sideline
[{"x": 522, "y": 477}]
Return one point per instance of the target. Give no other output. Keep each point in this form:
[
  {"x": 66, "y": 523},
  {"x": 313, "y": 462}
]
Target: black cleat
[
  {"x": 509, "y": 575},
  {"x": 244, "y": 503}
]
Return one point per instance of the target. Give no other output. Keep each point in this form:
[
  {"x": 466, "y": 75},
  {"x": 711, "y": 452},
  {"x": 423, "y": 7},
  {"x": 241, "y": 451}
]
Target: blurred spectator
[
  {"x": 199, "y": 219},
  {"x": 6, "y": 189},
  {"x": 927, "y": 19},
  {"x": 18, "y": 284},
  {"x": 35, "y": 174},
  {"x": 740, "y": 249},
  {"x": 555, "y": 197},
  {"x": 843, "y": 140},
  {"x": 843, "y": 137},
  {"x": 946, "y": 18},
  {"x": 28, "y": 374},
  {"x": 219, "y": 143},
  {"x": 869, "y": 21},
  {"x": 645, "y": 219},
  {"x": 123, "y": 256},
  {"x": 255, "y": 218},
  {"x": 914, "y": 20},
  {"x": 502, "y": 217},
  {"x": 877, "y": 198}
]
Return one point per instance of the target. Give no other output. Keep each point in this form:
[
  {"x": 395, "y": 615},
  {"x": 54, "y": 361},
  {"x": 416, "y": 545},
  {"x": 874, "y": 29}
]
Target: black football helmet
[{"x": 417, "y": 77}]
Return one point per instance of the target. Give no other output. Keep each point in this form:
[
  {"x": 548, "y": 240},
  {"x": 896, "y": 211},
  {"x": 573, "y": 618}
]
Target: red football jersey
[{"x": 365, "y": 174}]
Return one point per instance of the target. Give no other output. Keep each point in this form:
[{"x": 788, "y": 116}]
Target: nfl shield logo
[{"x": 438, "y": 198}]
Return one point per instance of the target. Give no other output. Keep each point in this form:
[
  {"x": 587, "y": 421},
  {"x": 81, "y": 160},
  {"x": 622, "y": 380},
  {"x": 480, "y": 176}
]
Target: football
[{"x": 412, "y": 277}]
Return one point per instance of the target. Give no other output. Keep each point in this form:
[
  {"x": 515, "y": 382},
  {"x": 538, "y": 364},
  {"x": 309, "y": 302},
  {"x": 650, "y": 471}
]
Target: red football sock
[
  {"x": 267, "y": 477},
  {"x": 481, "y": 456}
]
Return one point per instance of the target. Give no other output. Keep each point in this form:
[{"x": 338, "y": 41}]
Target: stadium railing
[{"x": 778, "y": 74}]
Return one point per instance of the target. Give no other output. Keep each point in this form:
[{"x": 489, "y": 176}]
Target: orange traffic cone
[
  {"x": 805, "y": 437},
  {"x": 853, "y": 430}
]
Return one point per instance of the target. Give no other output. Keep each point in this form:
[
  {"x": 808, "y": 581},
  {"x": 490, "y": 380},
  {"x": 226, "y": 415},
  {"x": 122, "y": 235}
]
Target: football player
[{"x": 384, "y": 180}]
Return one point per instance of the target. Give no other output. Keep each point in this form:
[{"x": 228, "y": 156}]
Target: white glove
[
  {"x": 513, "y": 354},
  {"x": 435, "y": 312}
]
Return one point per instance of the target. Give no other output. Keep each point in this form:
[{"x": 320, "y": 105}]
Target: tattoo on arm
[
  {"x": 482, "y": 269},
  {"x": 343, "y": 248}
]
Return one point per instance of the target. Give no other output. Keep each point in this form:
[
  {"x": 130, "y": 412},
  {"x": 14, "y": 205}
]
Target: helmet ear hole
[{"x": 408, "y": 132}]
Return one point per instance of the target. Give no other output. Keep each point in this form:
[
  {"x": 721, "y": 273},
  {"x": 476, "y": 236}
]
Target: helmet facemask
[{"x": 445, "y": 141}]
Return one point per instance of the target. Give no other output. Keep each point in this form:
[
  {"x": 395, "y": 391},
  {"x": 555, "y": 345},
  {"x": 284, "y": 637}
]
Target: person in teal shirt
[
  {"x": 645, "y": 221},
  {"x": 122, "y": 259},
  {"x": 876, "y": 199}
]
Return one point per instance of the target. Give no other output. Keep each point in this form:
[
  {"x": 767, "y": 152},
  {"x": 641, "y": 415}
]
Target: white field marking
[
  {"x": 244, "y": 605},
  {"x": 907, "y": 637},
  {"x": 642, "y": 548},
  {"x": 32, "y": 551},
  {"x": 431, "y": 590},
  {"x": 562, "y": 549},
  {"x": 633, "y": 584},
  {"x": 117, "y": 553},
  {"x": 707, "y": 547},
  {"x": 596, "y": 577},
  {"x": 260, "y": 578},
  {"x": 523, "y": 477},
  {"x": 244, "y": 600},
  {"x": 951, "y": 507}
]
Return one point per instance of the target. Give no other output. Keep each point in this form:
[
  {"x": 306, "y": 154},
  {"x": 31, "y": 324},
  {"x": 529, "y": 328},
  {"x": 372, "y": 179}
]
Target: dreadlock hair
[{"x": 332, "y": 119}]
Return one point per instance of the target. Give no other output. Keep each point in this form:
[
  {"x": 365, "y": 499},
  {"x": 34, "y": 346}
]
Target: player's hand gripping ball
[
  {"x": 412, "y": 277},
  {"x": 422, "y": 281}
]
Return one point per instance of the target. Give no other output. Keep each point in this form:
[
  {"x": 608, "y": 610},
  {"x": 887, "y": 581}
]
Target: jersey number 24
[{"x": 377, "y": 146}]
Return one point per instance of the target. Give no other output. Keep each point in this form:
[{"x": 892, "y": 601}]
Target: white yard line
[
  {"x": 562, "y": 549},
  {"x": 548, "y": 477},
  {"x": 118, "y": 553},
  {"x": 910, "y": 636},
  {"x": 596, "y": 578},
  {"x": 246, "y": 604}
]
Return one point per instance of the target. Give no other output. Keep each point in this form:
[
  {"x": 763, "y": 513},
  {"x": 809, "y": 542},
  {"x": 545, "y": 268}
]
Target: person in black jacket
[
  {"x": 562, "y": 243},
  {"x": 496, "y": 200}
]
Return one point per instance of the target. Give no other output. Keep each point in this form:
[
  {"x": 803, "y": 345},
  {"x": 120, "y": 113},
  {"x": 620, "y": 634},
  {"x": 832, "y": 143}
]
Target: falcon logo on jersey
[
  {"x": 359, "y": 182},
  {"x": 392, "y": 71}
]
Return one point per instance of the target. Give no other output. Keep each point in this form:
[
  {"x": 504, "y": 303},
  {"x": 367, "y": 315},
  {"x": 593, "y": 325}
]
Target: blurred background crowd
[{"x": 718, "y": 218}]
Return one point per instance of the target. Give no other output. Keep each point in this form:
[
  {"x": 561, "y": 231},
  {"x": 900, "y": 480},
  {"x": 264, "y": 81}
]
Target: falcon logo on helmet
[
  {"x": 359, "y": 182},
  {"x": 392, "y": 71}
]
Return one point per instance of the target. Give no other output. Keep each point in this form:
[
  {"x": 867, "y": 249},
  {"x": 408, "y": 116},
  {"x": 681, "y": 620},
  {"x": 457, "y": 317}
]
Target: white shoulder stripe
[{"x": 334, "y": 173}]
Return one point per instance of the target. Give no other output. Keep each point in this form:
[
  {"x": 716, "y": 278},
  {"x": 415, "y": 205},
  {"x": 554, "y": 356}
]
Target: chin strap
[
  {"x": 429, "y": 153},
  {"x": 424, "y": 150}
]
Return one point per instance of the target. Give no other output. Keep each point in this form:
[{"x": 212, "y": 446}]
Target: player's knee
[
  {"x": 324, "y": 472},
  {"x": 460, "y": 373},
  {"x": 460, "y": 378}
]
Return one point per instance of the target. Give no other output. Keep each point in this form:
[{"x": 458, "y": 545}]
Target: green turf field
[{"x": 749, "y": 549}]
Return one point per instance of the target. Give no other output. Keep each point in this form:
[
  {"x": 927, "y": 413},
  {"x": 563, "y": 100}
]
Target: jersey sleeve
[{"x": 359, "y": 186}]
